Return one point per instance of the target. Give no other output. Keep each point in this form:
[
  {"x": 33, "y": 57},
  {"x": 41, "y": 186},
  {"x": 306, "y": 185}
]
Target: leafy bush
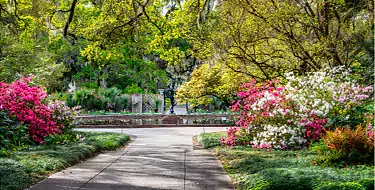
[
  {"x": 121, "y": 103},
  {"x": 89, "y": 85},
  {"x": 85, "y": 97},
  {"x": 13, "y": 135},
  {"x": 100, "y": 99},
  {"x": 345, "y": 146},
  {"x": 25, "y": 103},
  {"x": 63, "y": 115},
  {"x": 133, "y": 89},
  {"x": 61, "y": 139}
]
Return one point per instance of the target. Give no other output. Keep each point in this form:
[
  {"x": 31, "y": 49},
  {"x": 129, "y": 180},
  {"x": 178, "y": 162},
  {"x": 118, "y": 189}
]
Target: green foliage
[
  {"x": 99, "y": 99},
  {"x": 61, "y": 139},
  {"x": 345, "y": 146},
  {"x": 355, "y": 115},
  {"x": 133, "y": 89},
  {"x": 211, "y": 84},
  {"x": 122, "y": 102},
  {"x": 89, "y": 85},
  {"x": 13, "y": 175},
  {"x": 340, "y": 186},
  {"x": 13, "y": 135},
  {"x": 258, "y": 169},
  {"x": 243, "y": 137},
  {"x": 26, "y": 167},
  {"x": 209, "y": 140}
]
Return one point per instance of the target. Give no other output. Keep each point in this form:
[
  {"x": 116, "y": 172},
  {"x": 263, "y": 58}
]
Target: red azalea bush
[{"x": 24, "y": 102}]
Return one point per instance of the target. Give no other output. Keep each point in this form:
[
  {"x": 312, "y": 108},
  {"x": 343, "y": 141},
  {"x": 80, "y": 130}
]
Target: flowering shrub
[
  {"x": 63, "y": 114},
  {"x": 289, "y": 116},
  {"x": 24, "y": 102}
]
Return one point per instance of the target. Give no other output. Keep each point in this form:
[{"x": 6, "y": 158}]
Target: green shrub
[
  {"x": 243, "y": 137},
  {"x": 89, "y": 85},
  {"x": 84, "y": 97},
  {"x": 121, "y": 102},
  {"x": 133, "y": 89},
  {"x": 56, "y": 139},
  {"x": 13, "y": 135},
  {"x": 367, "y": 183},
  {"x": 109, "y": 93},
  {"x": 209, "y": 140}
]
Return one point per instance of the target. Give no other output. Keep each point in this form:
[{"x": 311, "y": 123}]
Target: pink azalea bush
[
  {"x": 25, "y": 103},
  {"x": 63, "y": 114},
  {"x": 291, "y": 115}
]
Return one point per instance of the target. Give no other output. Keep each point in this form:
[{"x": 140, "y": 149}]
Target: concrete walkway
[{"x": 159, "y": 158}]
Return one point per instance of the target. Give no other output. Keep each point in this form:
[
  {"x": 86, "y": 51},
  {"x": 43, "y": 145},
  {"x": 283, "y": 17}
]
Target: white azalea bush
[{"x": 291, "y": 115}]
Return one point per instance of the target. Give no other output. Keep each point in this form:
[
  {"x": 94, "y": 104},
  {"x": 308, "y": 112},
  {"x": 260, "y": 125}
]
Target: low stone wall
[{"x": 155, "y": 120}]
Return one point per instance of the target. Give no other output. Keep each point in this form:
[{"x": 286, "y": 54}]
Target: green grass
[
  {"x": 209, "y": 140},
  {"x": 254, "y": 169},
  {"x": 26, "y": 167}
]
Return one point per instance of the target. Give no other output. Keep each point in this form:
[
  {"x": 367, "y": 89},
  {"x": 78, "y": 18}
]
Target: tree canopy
[{"x": 210, "y": 44}]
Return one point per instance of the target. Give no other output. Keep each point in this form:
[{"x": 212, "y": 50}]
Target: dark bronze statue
[{"x": 169, "y": 93}]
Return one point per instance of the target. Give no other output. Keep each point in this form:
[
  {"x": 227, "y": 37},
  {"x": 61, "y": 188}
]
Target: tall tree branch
[{"x": 70, "y": 18}]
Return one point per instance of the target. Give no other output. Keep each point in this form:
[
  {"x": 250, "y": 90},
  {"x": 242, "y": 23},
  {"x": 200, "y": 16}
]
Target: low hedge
[{"x": 26, "y": 167}]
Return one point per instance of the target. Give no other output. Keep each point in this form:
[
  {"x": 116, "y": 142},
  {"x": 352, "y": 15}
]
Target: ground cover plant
[
  {"x": 279, "y": 169},
  {"x": 209, "y": 140},
  {"x": 263, "y": 169},
  {"x": 27, "y": 166}
]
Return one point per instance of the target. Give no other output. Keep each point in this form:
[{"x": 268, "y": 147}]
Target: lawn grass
[
  {"x": 27, "y": 167},
  {"x": 209, "y": 140},
  {"x": 255, "y": 169}
]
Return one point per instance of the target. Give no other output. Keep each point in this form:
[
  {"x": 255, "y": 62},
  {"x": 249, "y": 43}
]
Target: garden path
[{"x": 159, "y": 158}]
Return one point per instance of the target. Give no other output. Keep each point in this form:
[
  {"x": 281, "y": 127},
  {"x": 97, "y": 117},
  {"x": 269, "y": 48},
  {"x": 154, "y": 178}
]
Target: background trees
[{"x": 148, "y": 43}]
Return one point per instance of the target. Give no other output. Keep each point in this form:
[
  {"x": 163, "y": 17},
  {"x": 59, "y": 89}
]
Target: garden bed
[
  {"x": 258, "y": 169},
  {"x": 26, "y": 167}
]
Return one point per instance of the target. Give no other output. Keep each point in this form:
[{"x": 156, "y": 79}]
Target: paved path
[
  {"x": 159, "y": 158},
  {"x": 179, "y": 109}
]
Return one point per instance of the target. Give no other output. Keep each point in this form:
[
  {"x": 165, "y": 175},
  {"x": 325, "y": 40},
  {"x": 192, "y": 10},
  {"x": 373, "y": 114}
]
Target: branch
[
  {"x": 70, "y": 18},
  {"x": 131, "y": 21},
  {"x": 148, "y": 18}
]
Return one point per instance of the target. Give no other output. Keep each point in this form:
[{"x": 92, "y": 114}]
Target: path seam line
[
  {"x": 185, "y": 167},
  {"x": 127, "y": 150}
]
